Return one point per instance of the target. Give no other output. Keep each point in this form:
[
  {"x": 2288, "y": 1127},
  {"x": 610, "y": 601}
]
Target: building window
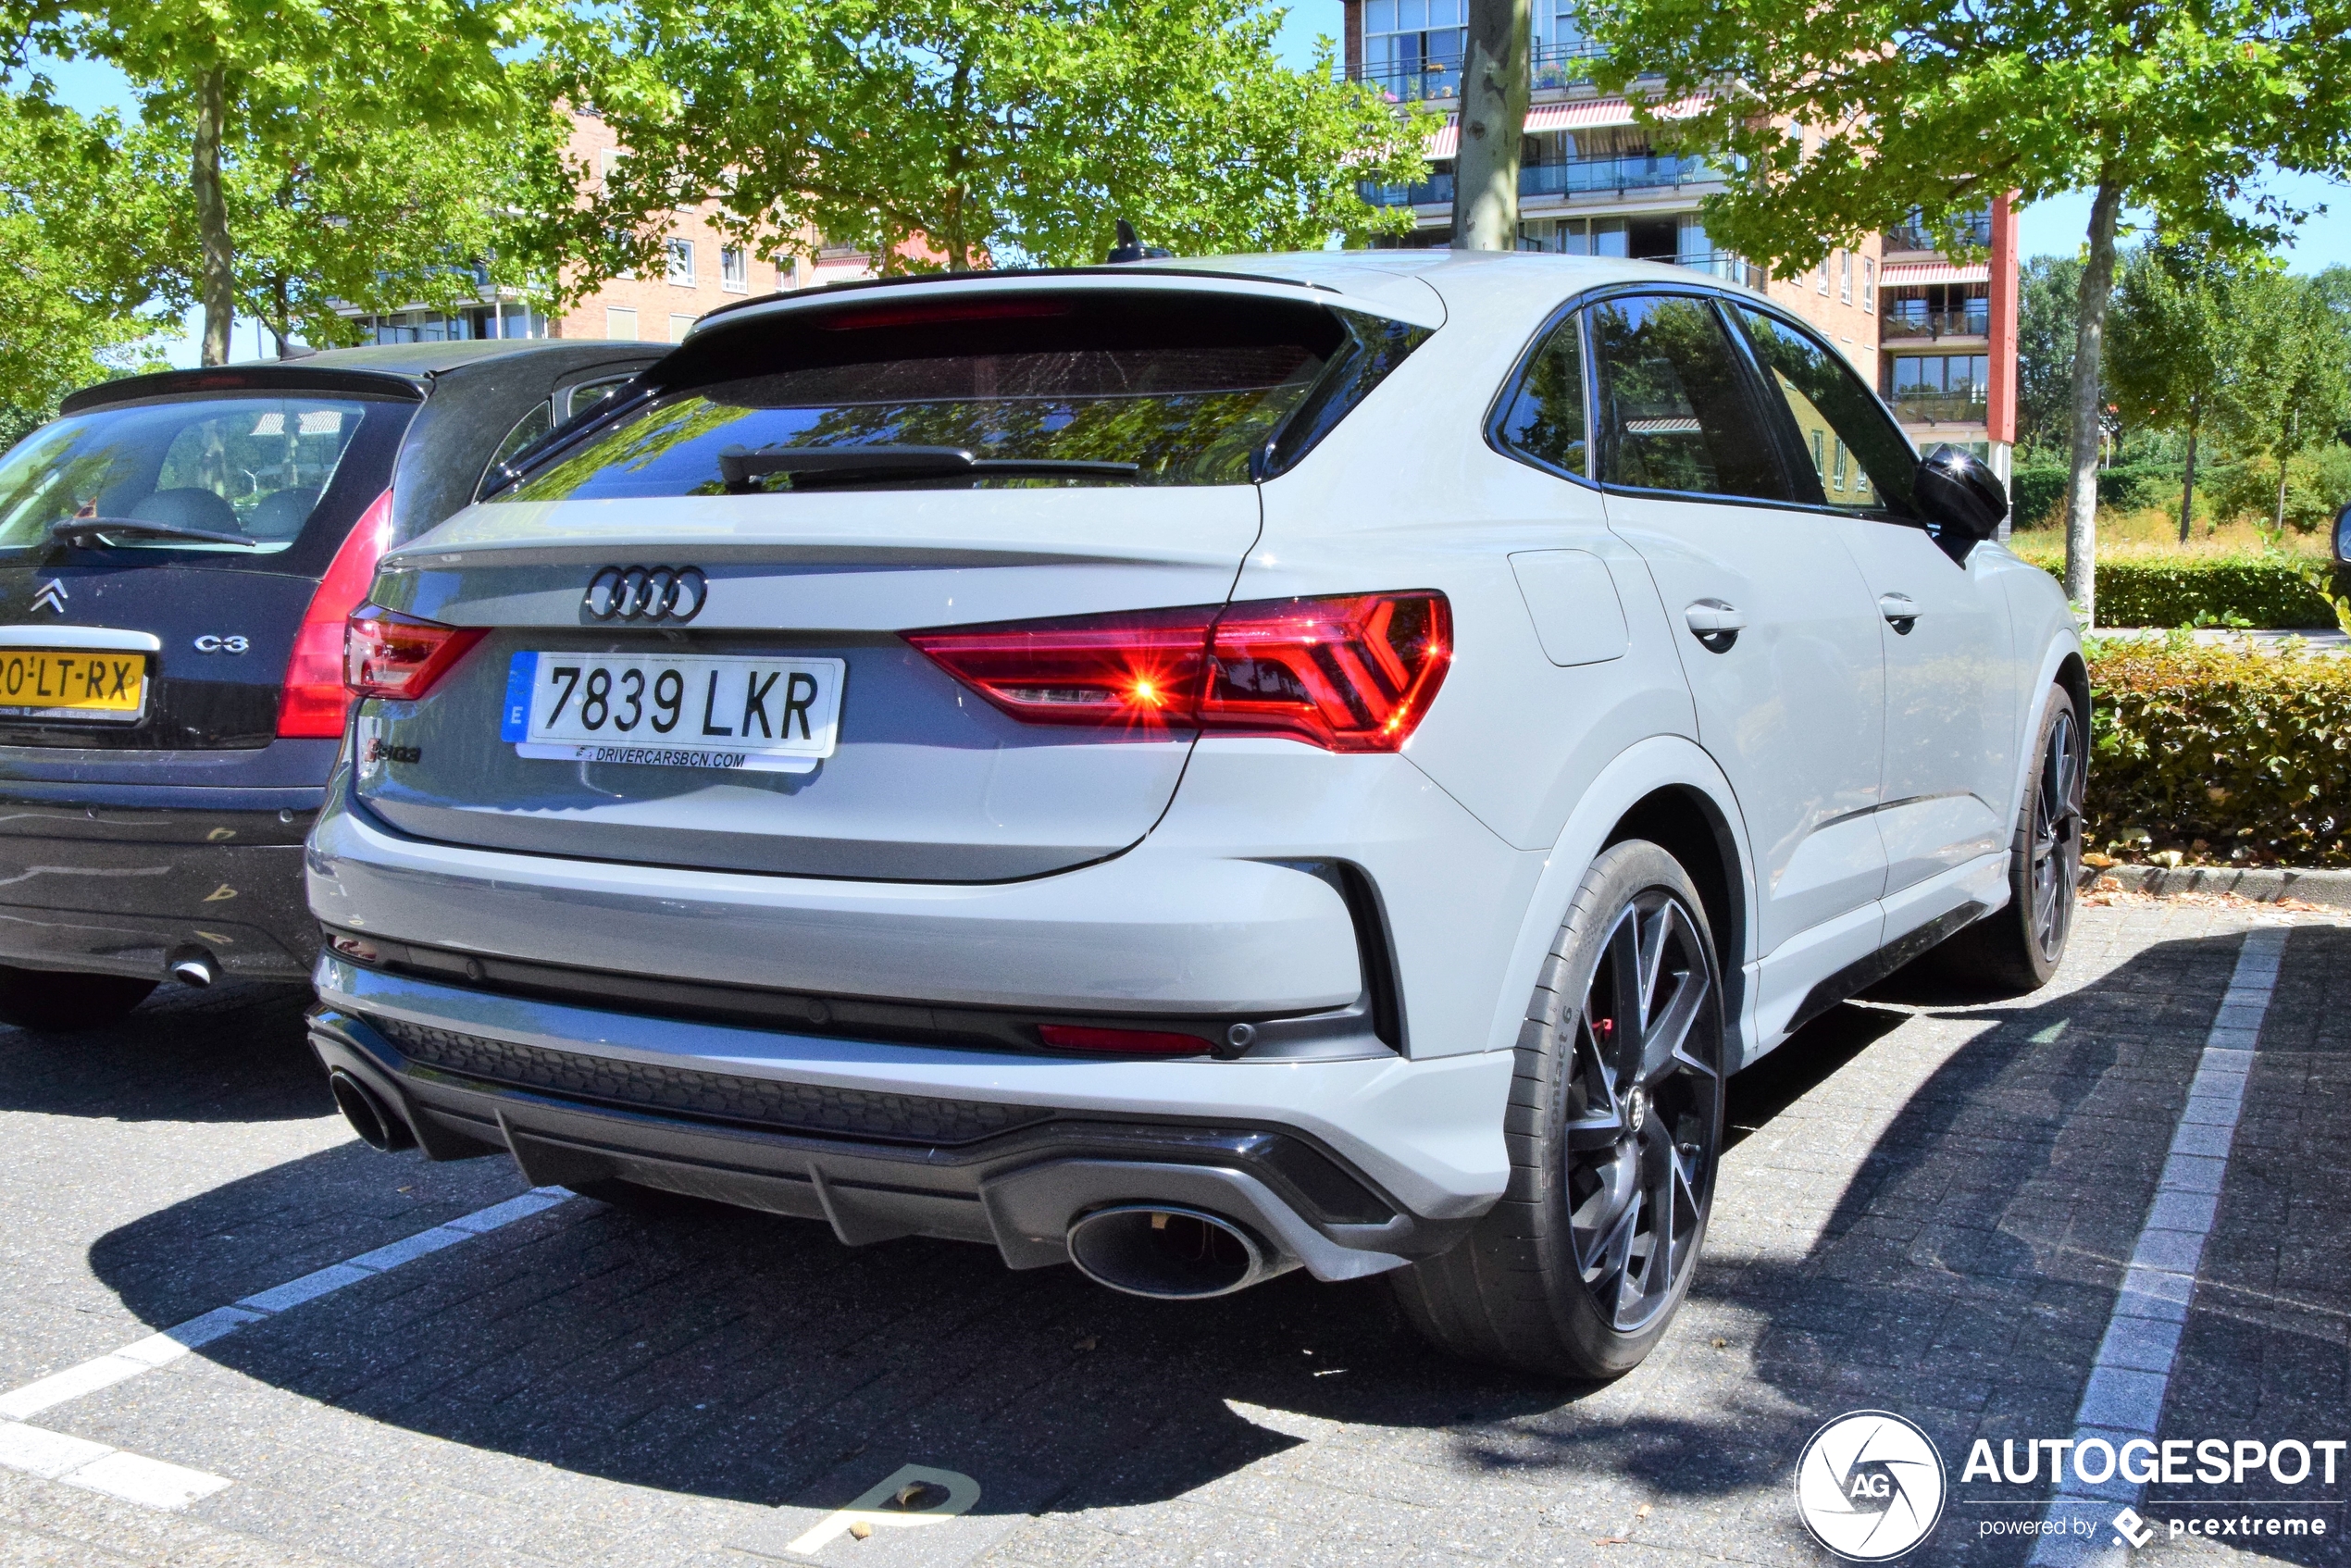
[
  {"x": 1820, "y": 451},
  {"x": 1933, "y": 387},
  {"x": 1845, "y": 278},
  {"x": 1837, "y": 472},
  {"x": 1824, "y": 274},
  {"x": 679, "y": 326},
  {"x": 681, "y": 263},
  {"x": 734, "y": 270},
  {"x": 1413, "y": 47},
  {"x": 620, "y": 323},
  {"x": 607, "y": 160},
  {"x": 1869, "y": 284}
]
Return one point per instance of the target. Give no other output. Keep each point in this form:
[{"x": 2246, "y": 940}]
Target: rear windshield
[
  {"x": 1188, "y": 389},
  {"x": 249, "y": 467}
]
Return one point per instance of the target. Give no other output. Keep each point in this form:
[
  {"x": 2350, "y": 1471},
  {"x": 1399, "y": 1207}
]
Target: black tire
[
  {"x": 60, "y": 1002},
  {"x": 2013, "y": 951},
  {"x": 1565, "y": 1276}
]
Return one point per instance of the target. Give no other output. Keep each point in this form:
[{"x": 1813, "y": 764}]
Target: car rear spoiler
[{"x": 294, "y": 377}]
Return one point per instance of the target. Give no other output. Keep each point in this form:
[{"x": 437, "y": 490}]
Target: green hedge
[
  {"x": 2224, "y": 755},
  {"x": 2035, "y": 493},
  {"x": 2286, "y": 593}
]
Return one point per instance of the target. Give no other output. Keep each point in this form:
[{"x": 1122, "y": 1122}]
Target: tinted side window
[
  {"x": 1677, "y": 408},
  {"x": 1543, "y": 421},
  {"x": 1861, "y": 458}
]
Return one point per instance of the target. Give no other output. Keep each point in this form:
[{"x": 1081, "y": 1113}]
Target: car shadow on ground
[
  {"x": 1959, "y": 1270},
  {"x": 232, "y": 1052}
]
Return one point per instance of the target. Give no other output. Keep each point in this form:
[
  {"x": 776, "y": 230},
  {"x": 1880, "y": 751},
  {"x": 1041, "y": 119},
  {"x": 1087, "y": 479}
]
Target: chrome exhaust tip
[
  {"x": 194, "y": 969},
  {"x": 1169, "y": 1253},
  {"x": 379, "y": 1126}
]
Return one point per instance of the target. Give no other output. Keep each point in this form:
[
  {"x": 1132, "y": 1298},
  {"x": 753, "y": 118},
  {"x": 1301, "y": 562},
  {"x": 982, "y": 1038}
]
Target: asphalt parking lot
[{"x": 1929, "y": 1210}]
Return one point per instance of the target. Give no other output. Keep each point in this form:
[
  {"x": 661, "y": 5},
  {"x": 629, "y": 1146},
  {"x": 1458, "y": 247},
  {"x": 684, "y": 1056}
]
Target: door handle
[
  {"x": 1901, "y": 612},
  {"x": 1715, "y": 624}
]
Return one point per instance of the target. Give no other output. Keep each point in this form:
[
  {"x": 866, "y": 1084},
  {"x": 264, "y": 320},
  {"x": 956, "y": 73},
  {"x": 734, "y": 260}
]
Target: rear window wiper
[
  {"x": 84, "y": 533},
  {"x": 810, "y": 466}
]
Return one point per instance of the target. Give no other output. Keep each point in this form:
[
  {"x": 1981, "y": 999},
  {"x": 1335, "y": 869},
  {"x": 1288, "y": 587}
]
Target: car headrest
[
  {"x": 188, "y": 509},
  {"x": 281, "y": 514}
]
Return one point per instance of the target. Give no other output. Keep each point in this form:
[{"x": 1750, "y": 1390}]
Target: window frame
[
  {"x": 1523, "y": 365},
  {"x": 740, "y": 283},
  {"x": 675, "y": 251},
  {"x": 1791, "y": 437}
]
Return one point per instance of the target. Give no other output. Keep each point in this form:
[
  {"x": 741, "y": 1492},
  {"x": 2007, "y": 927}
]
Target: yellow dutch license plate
[{"x": 94, "y": 683}]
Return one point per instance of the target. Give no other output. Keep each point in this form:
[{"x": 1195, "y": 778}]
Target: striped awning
[
  {"x": 1913, "y": 272},
  {"x": 1588, "y": 114}
]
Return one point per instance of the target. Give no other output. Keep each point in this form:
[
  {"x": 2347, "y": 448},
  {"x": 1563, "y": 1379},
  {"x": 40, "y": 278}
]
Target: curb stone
[{"x": 2265, "y": 885}]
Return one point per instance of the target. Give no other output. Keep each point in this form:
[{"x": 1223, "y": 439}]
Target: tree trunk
[
  {"x": 2281, "y": 519},
  {"x": 2187, "y": 488},
  {"x": 2089, "y": 348},
  {"x": 216, "y": 283},
  {"x": 1496, "y": 80}
]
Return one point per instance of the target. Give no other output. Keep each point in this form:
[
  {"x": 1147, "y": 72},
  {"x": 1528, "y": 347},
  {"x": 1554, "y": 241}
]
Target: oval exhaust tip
[
  {"x": 1165, "y": 1252},
  {"x": 196, "y": 972},
  {"x": 377, "y": 1127}
]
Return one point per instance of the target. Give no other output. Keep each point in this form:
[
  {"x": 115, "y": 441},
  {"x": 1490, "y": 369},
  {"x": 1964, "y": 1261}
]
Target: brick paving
[{"x": 1925, "y": 1210}]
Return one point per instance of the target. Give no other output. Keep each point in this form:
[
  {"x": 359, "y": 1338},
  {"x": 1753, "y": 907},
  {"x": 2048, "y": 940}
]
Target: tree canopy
[{"x": 958, "y": 133}]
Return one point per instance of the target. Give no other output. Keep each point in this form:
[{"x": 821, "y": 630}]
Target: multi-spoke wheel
[
  {"x": 2015, "y": 949},
  {"x": 1616, "y": 1125}
]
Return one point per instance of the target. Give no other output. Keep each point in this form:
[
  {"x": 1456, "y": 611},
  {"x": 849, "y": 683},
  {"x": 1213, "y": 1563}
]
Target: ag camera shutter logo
[{"x": 1869, "y": 1485}]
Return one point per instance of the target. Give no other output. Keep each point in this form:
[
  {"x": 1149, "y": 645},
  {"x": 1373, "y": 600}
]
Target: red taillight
[
  {"x": 1353, "y": 673},
  {"x": 389, "y": 654},
  {"x": 1122, "y": 1042},
  {"x": 315, "y": 702}
]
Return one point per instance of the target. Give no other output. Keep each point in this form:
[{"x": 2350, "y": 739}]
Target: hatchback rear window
[
  {"x": 1186, "y": 389},
  {"x": 249, "y": 467}
]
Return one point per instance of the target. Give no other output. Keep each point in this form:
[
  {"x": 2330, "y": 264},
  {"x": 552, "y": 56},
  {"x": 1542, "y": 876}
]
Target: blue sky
[{"x": 2054, "y": 227}]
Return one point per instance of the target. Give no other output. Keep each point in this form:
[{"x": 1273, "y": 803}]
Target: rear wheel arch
[{"x": 1688, "y": 824}]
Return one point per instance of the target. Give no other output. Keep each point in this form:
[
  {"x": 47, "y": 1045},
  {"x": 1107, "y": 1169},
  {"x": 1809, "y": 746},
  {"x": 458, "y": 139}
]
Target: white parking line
[
  {"x": 55, "y": 1456},
  {"x": 2133, "y": 1371}
]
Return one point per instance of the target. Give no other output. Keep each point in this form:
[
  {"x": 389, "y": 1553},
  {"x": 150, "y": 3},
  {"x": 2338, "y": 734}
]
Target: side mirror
[{"x": 1960, "y": 498}]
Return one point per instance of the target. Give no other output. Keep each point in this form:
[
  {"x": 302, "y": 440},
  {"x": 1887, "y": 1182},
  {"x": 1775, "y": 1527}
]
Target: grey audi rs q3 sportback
[{"x": 1196, "y": 769}]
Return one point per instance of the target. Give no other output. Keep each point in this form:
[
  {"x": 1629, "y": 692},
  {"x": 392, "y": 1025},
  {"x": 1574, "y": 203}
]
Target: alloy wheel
[
  {"x": 2057, "y": 835},
  {"x": 1644, "y": 1095}
]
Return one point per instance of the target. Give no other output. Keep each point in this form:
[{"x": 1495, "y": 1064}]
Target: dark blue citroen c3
[{"x": 177, "y": 553}]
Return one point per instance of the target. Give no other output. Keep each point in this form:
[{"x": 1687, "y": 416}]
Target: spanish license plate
[
  {"x": 76, "y": 684},
  {"x": 675, "y": 710}
]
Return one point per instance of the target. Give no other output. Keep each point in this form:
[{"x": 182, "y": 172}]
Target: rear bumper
[
  {"x": 1379, "y": 1159},
  {"x": 123, "y": 890}
]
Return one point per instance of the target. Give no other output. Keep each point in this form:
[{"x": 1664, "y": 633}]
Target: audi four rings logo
[{"x": 646, "y": 594}]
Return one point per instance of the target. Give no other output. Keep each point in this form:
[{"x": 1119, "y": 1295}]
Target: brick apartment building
[
  {"x": 1935, "y": 335},
  {"x": 700, "y": 270}
]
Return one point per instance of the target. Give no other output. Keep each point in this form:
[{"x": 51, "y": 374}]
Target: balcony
[
  {"x": 1930, "y": 324},
  {"x": 1976, "y": 230},
  {"x": 1654, "y": 171},
  {"x": 1555, "y": 67},
  {"x": 1921, "y": 407}
]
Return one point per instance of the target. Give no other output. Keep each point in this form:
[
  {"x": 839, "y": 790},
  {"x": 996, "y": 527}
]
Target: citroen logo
[
  {"x": 646, "y": 594},
  {"x": 51, "y": 598}
]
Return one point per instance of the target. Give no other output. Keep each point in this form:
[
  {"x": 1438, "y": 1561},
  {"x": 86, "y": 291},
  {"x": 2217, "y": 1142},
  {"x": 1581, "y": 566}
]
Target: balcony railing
[
  {"x": 1938, "y": 323},
  {"x": 1960, "y": 408},
  {"x": 1576, "y": 176},
  {"x": 1554, "y": 66},
  {"x": 1976, "y": 230}
]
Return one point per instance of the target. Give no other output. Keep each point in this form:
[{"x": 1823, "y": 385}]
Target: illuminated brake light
[
  {"x": 1349, "y": 673},
  {"x": 315, "y": 702},
  {"x": 1122, "y": 1042},
  {"x": 389, "y": 654}
]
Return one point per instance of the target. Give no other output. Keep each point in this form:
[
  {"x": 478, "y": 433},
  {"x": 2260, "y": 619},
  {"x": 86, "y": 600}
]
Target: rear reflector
[
  {"x": 315, "y": 702},
  {"x": 1353, "y": 672},
  {"x": 1122, "y": 1042},
  {"x": 390, "y": 655}
]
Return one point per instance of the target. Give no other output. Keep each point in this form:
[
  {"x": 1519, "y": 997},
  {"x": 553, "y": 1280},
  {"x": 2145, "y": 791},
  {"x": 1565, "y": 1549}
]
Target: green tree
[
  {"x": 961, "y": 132},
  {"x": 267, "y": 81},
  {"x": 2295, "y": 370},
  {"x": 2182, "y": 330},
  {"x": 2174, "y": 106},
  {"x": 2050, "y": 289},
  {"x": 66, "y": 195}
]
